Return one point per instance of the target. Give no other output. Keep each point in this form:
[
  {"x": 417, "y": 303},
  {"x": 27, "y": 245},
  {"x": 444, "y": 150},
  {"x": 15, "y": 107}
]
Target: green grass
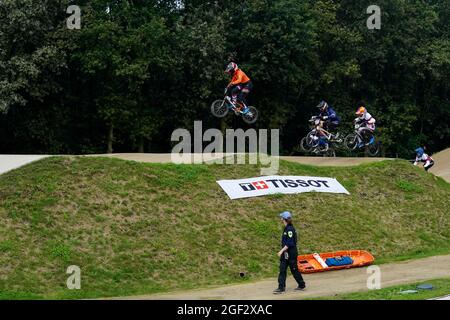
[
  {"x": 441, "y": 287},
  {"x": 136, "y": 228}
]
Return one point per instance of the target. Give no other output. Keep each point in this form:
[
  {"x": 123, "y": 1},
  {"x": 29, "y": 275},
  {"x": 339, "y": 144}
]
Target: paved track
[
  {"x": 320, "y": 284},
  {"x": 11, "y": 162},
  {"x": 318, "y": 161},
  {"x": 442, "y": 166},
  {"x": 333, "y": 162}
]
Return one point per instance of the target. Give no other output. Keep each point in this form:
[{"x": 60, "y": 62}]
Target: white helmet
[{"x": 231, "y": 68}]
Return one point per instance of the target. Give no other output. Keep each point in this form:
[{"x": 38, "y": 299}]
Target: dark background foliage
[{"x": 136, "y": 72}]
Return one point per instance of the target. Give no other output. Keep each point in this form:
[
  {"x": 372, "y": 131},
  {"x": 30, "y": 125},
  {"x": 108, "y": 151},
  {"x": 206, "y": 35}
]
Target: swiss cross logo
[
  {"x": 260, "y": 185},
  {"x": 252, "y": 186}
]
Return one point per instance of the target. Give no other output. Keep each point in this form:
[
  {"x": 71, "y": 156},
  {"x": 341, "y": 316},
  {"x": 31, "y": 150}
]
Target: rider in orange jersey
[{"x": 240, "y": 85}]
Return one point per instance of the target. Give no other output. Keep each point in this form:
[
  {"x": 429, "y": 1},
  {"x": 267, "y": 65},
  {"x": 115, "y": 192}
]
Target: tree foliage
[{"x": 139, "y": 69}]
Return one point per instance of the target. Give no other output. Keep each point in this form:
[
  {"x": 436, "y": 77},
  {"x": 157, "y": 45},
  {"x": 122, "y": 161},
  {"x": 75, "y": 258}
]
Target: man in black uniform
[{"x": 288, "y": 255}]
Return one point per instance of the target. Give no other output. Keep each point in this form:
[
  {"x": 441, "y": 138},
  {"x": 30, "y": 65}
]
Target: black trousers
[
  {"x": 242, "y": 91},
  {"x": 330, "y": 125},
  {"x": 291, "y": 262},
  {"x": 428, "y": 167}
]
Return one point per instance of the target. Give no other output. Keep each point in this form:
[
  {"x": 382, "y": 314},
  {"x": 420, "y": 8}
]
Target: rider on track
[
  {"x": 367, "y": 124},
  {"x": 240, "y": 85},
  {"x": 329, "y": 116},
  {"x": 421, "y": 156},
  {"x": 330, "y": 120}
]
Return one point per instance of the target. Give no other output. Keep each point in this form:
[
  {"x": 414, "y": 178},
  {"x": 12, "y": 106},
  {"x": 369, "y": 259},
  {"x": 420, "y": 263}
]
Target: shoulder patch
[{"x": 290, "y": 234}]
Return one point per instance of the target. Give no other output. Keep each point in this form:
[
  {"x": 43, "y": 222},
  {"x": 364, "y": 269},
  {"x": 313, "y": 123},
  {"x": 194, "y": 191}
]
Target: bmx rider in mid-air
[{"x": 239, "y": 87}]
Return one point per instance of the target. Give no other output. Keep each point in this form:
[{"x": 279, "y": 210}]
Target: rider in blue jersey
[{"x": 330, "y": 120}]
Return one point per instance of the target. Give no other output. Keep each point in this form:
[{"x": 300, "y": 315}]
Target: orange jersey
[{"x": 239, "y": 77}]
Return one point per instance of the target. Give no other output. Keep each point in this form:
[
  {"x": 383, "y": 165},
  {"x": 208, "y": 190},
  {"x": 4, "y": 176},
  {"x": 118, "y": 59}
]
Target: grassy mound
[{"x": 137, "y": 228}]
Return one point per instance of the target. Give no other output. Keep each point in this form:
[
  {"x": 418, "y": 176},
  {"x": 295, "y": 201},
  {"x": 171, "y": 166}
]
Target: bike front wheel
[
  {"x": 219, "y": 108},
  {"x": 312, "y": 139},
  {"x": 251, "y": 116},
  {"x": 374, "y": 149},
  {"x": 351, "y": 141}
]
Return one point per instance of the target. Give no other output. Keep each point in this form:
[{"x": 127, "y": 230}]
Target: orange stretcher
[{"x": 309, "y": 264}]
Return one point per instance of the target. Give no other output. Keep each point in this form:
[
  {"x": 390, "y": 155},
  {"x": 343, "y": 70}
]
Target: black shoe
[
  {"x": 279, "y": 291},
  {"x": 300, "y": 288}
]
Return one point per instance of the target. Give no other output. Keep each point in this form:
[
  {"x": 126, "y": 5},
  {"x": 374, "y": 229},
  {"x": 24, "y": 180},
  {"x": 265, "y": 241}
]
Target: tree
[
  {"x": 30, "y": 59},
  {"x": 139, "y": 69}
]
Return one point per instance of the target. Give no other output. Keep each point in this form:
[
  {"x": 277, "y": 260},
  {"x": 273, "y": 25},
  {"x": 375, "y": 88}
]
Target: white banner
[{"x": 255, "y": 187}]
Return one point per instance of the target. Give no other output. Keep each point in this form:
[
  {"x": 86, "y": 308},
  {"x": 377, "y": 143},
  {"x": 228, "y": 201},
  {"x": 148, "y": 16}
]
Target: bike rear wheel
[
  {"x": 304, "y": 146},
  {"x": 219, "y": 108},
  {"x": 252, "y": 116},
  {"x": 351, "y": 141}
]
